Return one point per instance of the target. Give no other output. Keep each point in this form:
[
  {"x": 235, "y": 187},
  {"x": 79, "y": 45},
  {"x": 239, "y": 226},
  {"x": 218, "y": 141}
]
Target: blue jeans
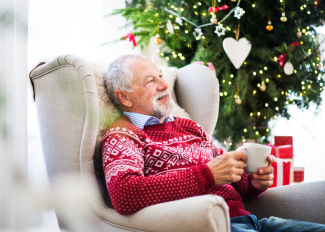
[{"x": 250, "y": 223}]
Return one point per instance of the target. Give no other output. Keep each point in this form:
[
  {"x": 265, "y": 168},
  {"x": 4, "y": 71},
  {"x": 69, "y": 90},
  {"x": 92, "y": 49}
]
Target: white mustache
[{"x": 161, "y": 94}]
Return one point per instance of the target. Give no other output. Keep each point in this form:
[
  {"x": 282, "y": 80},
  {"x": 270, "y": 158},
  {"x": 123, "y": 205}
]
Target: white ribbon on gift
[{"x": 279, "y": 170}]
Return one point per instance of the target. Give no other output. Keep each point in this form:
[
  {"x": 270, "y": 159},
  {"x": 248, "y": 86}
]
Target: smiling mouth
[{"x": 162, "y": 97}]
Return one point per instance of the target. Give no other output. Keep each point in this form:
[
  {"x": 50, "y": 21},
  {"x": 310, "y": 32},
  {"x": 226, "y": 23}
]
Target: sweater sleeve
[
  {"x": 130, "y": 190},
  {"x": 245, "y": 188}
]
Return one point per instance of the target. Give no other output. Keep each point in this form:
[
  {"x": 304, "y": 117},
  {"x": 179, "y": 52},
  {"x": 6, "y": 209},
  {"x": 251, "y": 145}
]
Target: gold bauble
[
  {"x": 234, "y": 0},
  {"x": 283, "y": 17},
  {"x": 269, "y": 26},
  {"x": 238, "y": 101},
  {"x": 299, "y": 34},
  {"x": 319, "y": 66},
  {"x": 214, "y": 20},
  {"x": 158, "y": 40},
  {"x": 263, "y": 86}
]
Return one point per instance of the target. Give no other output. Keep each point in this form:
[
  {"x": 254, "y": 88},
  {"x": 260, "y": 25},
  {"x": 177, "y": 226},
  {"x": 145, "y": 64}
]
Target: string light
[
  {"x": 275, "y": 58},
  {"x": 167, "y": 58},
  {"x": 256, "y": 132},
  {"x": 279, "y": 75},
  {"x": 244, "y": 140},
  {"x": 267, "y": 80},
  {"x": 261, "y": 71},
  {"x": 221, "y": 94},
  {"x": 225, "y": 93},
  {"x": 275, "y": 99},
  {"x": 258, "y": 85},
  {"x": 186, "y": 31},
  {"x": 282, "y": 92},
  {"x": 277, "y": 108},
  {"x": 266, "y": 105},
  {"x": 251, "y": 114},
  {"x": 265, "y": 68},
  {"x": 182, "y": 9},
  {"x": 254, "y": 73},
  {"x": 258, "y": 113},
  {"x": 295, "y": 71},
  {"x": 245, "y": 130},
  {"x": 302, "y": 82},
  {"x": 230, "y": 143},
  {"x": 267, "y": 130},
  {"x": 253, "y": 5},
  {"x": 231, "y": 75}
]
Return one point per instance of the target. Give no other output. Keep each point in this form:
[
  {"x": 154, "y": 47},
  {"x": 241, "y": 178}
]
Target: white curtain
[{"x": 13, "y": 107}]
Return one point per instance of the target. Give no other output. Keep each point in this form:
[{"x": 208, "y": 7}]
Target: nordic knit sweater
[{"x": 164, "y": 162}]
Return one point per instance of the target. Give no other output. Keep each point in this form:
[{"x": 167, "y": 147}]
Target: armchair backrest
[{"x": 67, "y": 108}]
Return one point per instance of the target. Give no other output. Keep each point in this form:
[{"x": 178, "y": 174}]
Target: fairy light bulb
[{"x": 263, "y": 86}]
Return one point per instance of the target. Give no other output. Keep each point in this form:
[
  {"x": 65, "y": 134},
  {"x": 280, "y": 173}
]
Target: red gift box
[
  {"x": 282, "y": 140},
  {"x": 283, "y": 147},
  {"x": 298, "y": 174},
  {"x": 281, "y": 172}
]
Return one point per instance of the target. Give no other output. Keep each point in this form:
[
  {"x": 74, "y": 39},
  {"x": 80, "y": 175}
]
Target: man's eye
[{"x": 161, "y": 76}]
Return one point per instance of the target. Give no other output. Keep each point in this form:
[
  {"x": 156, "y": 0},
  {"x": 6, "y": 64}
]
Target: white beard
[{"x": 161, "y": 111}]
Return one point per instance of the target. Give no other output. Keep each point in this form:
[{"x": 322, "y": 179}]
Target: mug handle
[{"x": 243, "y": 149}]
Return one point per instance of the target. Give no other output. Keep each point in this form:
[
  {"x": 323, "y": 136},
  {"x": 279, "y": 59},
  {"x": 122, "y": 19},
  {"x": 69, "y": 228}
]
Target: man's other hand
[
  {"x": 227, "y": 168},
  {"x": 264, "y": 177}
]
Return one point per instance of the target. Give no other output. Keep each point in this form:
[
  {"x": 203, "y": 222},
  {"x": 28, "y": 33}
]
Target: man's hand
[
  {"x": 264, "y": 177},
  {"x": 227, "y": 168}
]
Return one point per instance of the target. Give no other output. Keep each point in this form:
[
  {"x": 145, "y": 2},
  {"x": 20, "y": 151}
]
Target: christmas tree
[{"x": 283, "y": 64}]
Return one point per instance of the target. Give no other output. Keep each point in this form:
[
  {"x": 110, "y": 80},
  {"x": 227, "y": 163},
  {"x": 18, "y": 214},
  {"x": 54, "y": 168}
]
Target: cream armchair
[{"x": 67, "y": 101}]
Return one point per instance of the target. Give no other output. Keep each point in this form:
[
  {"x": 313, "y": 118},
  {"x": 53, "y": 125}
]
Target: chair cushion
[{"x": 108, "y": 113}]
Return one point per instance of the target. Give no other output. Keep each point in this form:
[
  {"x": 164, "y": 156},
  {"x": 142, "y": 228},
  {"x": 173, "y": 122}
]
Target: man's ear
[{"x": 124, "y": 98}]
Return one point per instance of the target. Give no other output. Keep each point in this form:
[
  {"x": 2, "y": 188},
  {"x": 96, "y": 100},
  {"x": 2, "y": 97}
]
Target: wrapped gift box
[
  {"x": 282, "y": 140},
  {"x": 298, "y": 174},
  {"x": 281, "y": 172},
  {"x": 282, "y": 147}
]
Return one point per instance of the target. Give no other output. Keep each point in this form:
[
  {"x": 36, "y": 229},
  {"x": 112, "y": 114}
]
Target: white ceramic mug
[{"x": 256, "y": 155}]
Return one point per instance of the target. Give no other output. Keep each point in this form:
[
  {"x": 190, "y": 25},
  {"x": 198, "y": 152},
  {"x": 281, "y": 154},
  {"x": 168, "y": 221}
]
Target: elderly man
[{"x": 150, "y": 156}]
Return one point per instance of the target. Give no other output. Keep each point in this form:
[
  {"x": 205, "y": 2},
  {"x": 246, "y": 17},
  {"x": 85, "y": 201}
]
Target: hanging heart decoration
[{"x": 237, "y": 51}]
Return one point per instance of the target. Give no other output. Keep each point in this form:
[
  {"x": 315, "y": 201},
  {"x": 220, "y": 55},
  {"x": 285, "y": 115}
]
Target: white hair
[{"x": 119, "y": 76}]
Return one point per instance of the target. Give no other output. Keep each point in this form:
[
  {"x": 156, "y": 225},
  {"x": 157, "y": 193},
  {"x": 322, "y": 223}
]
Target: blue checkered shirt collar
[{"x": 142, "y": 120}]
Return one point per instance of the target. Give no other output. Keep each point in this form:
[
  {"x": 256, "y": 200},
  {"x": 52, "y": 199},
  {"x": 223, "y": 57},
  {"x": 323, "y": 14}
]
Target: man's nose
[{"x": 162, "y": 85}]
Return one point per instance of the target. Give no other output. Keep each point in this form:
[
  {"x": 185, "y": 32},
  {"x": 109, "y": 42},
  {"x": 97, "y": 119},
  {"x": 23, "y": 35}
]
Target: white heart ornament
[
  {"x": 237, "y": 51},
  {"x": 288, "y": 68}
]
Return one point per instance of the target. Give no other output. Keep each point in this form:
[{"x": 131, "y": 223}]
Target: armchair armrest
[
  {"x": 305, "y": 202},
  {"x": 201, "y": 213}
]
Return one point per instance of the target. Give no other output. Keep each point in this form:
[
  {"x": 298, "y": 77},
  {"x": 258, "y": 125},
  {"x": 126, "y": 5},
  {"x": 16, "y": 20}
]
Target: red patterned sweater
[{"x": 164, "y": 162}]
